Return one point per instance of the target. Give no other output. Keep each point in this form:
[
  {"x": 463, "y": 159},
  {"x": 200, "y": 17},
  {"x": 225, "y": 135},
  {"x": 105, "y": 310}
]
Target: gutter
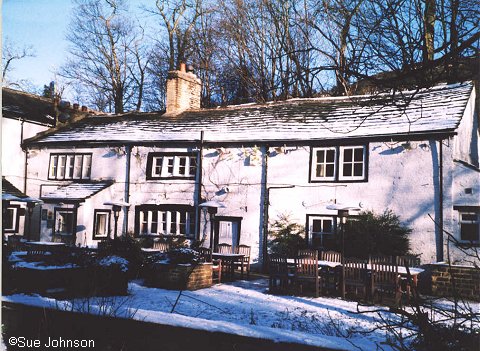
[{"x": 440, "y": 220}]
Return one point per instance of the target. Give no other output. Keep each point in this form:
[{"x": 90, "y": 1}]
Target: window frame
[
  {"x": 475, "y": 212},
  {"x": 338, "y": 162},
  {"x": 167, "y": 215},
  {"x": 57, "y": 171},
  {"x": 15, "y": 219},
  {"x": 175, "y": 165},
  {"x": 58, "y": 210},
  {"x": 309, "y": 227},
  {"x": 96, "y": 212}
]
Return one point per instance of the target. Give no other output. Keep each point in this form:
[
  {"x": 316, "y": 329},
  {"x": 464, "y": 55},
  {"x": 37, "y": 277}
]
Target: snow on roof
[
  {"x": 76, "y": 191},
  {"x": 435, "y": 110}
]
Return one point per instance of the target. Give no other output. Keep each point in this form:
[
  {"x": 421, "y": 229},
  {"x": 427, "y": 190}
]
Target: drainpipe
[
  {"x": 199, "y": 186},
  {"x": 128, "y": 151},
  {"x": 25, "y": 151},
  {"x": 440, "y": 220},
  {"x": 265, "y": 193}
]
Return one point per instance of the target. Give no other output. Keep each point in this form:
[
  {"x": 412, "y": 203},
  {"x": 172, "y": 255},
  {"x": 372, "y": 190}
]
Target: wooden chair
[
  {"x": 406, "y": 283},
  {"x": 307, "y": 253},
  {"x": 245, "y": 251},
  {"x": 307, "y": 271},
  {"x": 354, "y": 276},
  {"x": 331, "y": 276},
  {"x": 206, "y": 256},
  {"x": 384, "y": 278},
  {"x": 331, "y": 256},
  {"x": 278, "y": 276},
  {"x": 161, "y": 246},
  {"x": 224, "y": 248}
]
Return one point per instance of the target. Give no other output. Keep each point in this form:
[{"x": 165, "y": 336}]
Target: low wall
[
  {"x": 110, "y": 333},
  {"x": 180, "y": 277},
  {"x": 461, "y": 281}
]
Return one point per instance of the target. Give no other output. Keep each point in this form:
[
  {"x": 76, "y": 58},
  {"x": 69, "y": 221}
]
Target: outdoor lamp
[{"x": 212, "y": 207}]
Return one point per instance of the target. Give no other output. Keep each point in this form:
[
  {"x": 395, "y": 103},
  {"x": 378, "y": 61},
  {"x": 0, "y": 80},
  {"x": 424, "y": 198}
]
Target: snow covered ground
[{"x": 245, "y": 308}]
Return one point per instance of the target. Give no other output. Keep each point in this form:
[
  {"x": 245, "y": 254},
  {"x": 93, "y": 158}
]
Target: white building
[{"x": 415, "y": 153}]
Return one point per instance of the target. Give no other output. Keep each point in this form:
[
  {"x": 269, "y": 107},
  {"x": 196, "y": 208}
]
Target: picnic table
[{"x": 228, "y": 261}]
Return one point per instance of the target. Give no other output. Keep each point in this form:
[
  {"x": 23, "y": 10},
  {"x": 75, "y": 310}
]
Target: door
[{"x": 227, "y": 231}]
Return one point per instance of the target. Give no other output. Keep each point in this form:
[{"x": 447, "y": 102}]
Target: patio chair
[
  {"x": 307, "y": 271},
  {"x": 161, "y": 246},
  {"x": 354, "y": 276},
  {"x": 307, "y": 253},
  {"x": 206, "y": 256},
  {"x": 245, "y": 251},
  {"x": 279, "y": 278},
  {"x": 330, "y": 275},
  {"x": 384, "y": 278},
  {"x": 224, "y": 248}
]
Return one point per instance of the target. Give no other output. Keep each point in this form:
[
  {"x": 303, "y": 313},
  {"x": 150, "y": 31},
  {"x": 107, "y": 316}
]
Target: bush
[
  {"x": 286, "y": 236},
  {"x": 375, "y": 234},
  {"x": 128, "y": 248}
]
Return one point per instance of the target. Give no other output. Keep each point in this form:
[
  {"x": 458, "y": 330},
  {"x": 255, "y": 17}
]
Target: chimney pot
[
  {"x": 182, "y": 67},
  {"x": 76, "y": 106},
  {"x": 84, "y": 108}
]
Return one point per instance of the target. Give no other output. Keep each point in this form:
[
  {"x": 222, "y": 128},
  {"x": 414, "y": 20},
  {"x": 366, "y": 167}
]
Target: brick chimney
[{"x": 183, "y": 91}]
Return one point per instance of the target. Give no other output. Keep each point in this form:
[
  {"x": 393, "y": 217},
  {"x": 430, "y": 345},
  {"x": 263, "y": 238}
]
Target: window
[
  {"x": 165, "y": 220},
  {"x": 101, "y": 224},
  {"x": 70, "y": 166},
  {"x": 171, "y": 165},
  {"x": 11, "y": 219},
  {"x": 470, "y": 226},
  {"x": 343, "y": 163},
  {"x": 321, "y": 230},
  {"x": 64, "y": 221}
]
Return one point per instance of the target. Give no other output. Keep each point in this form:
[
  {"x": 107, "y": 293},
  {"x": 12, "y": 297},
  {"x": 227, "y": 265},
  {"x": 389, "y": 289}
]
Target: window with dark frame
[
  {"x": 11, "y": 219},
  {"x": 165, "y": 220},
  {"x": 167, "y": 165},
  {"x": 70, "y": 166},
  {"x": 470, "y": 226},
  {"x": 321, "y": 230},
  {"x": 101, "y": 224},
  {"x": 64, "y": 221},
  {"x": 339, "y": 163}
]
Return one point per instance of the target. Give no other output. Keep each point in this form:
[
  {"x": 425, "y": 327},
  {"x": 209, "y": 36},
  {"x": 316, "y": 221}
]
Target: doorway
[{"x": 227, "y": 231}]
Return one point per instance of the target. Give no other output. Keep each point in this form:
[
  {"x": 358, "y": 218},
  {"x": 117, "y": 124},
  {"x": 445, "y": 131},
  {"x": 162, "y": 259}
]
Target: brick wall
[
  {"x": 183, "y": 92},
  {"x": 448, "y": 280},
  {"x": 178, "y": 277}
]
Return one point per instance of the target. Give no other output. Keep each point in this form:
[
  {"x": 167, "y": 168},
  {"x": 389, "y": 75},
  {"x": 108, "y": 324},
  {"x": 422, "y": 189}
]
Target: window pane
[
  {"x": 191, "y": 223},
  {"x": 183, "y": 222},
  {"x": 330, "y": 170},
  {"x": 101, "y": 224},
  {"x": 77, "y": 174},
  {"x": 157, "y": 166},
  {"x": 87, "y": 164},
  {"x": 182, "y": 163},
  {"x": 320, "y": 170},
  {"x": 65, "y": 222},
  {"x": 469, "y": 216},
  {"x": 193, "y": 166},
  {"x": 170, "y": 164},
  {"x": 144, "y": 222},
  {"x": 358, "y": 169},
  {"x": 347, "y": 155},
  {"x": 53, "y": 166},
  {"x": 61, "y": 167},
  {"x": 316, "y": 226},
  {"x": 469, "y": 231},
  {"x": 70, "y": 166},
  {"x": 173, "y": 222},
  {"x": 347, "y": 170},
  {"x": 320, "y": 156},
  {"x": 359, "y": 154},
  {"x": 327, "y": 226},
  {"x": 154, "y": 225},
  {"x": 9, "y": 220},
  {"x": 330, "y": 156}
]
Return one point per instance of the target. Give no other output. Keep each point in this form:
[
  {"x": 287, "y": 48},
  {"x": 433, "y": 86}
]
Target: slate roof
[
  {"x": 8, "y": 189},
  {"x": 20, "y": 105},
  {"x": 76, "y": 191},
  {"x": 435, "y": 110}
]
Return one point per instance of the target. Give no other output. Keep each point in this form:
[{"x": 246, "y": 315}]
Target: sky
[{"x": 41, "y": 24}]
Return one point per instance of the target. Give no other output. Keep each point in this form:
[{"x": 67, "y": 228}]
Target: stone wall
[
  {"x": 181, "y": 276},
  {"x": 462, "y": 281}
]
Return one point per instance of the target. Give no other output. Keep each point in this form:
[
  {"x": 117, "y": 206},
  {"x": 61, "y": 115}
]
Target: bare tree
[
  {"x": 10, "y": 54},
  {"x": 108, "y": 58}
]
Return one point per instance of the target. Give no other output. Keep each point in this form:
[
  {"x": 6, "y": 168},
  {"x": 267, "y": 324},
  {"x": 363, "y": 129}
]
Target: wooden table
[{"x": 231, "y": 259}]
